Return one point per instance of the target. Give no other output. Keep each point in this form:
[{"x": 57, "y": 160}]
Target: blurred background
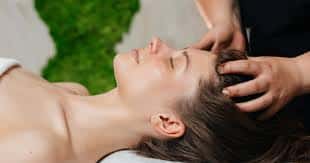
[{"x": 76, "y": 40}]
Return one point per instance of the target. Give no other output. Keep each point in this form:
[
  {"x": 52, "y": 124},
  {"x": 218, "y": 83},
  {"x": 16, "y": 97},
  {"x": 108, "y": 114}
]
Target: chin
[{"x": 122, "y": 64}]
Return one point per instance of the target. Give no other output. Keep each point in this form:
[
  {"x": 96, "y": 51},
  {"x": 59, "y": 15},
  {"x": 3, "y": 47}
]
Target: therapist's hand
[
  {"x": 222, "y": 36},
  {"x": 277, "y": 78}
]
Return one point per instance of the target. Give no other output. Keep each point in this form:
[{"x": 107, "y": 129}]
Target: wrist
[
  {"x": 297, "y": 77},
  {"x": 218, "y": 20},
  {"x": 222, "y": 21},
  {"x": 231, "y": 21},
  {"x": 209, "y": 10},
  {"x": 302, "y": 69}
]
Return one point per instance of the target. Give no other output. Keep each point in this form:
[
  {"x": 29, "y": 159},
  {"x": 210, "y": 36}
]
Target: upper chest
[
  {"x": 28, "y": 100},
  {"x": 32, "y": 121}
]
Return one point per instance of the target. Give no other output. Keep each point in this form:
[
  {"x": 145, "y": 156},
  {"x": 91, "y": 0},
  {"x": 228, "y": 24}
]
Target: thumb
[
  {"x": 238, "y": 42},
  {"x": 205, "y": 43},
  {"x": 215, "y": 48}
]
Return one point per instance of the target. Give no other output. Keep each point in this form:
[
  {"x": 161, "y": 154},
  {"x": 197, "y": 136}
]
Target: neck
[{"x": 101, "y": 124}]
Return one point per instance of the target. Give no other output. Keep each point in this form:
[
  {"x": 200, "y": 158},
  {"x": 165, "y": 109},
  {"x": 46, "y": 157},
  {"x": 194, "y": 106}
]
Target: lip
[{"x": 135, "y": 54}]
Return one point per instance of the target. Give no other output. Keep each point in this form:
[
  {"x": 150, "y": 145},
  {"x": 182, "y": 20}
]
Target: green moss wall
[{"x": 85, "y": 33}]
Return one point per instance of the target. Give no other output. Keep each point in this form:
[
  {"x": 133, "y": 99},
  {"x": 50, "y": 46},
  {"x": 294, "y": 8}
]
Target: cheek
[
  {"x": 142, "y": 85},
  {"x": 145, "y": 85}
]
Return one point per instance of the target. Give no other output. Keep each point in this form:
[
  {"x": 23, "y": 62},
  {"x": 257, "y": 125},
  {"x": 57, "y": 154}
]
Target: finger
[
  {"x": 257, "y": 104},
  {"x": 237, "y": 46},
  {"x": 259, "y": 59},
  {"x": 238, "y": 42},
  {"x": 255, "y": 86},
  {"x": 215, "y": 48},
  {"x": 271, "y": 111},
  {"x": 205, "y": 43},
  {"x": 246, "y": 67}
]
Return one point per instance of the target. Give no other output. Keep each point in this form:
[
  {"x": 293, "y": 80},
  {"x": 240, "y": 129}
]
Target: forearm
[
  {"x": 303, "y": 63},
  {"x": 216, "y": 11}
]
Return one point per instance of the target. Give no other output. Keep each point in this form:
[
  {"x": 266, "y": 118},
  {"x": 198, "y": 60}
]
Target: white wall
[
  {"x": 175, "y": 21},
  {"x": 23, "y": 35}
]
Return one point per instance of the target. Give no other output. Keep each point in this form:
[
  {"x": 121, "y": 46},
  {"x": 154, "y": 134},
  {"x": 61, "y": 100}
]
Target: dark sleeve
[{"x": 277, "y": 27}]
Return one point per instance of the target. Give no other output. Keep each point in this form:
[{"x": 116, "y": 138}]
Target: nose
[
  {"x": 158, "y": 47},
  {"x": 154, "y": 45}
]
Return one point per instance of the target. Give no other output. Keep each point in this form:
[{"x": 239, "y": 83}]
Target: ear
[{"x": 168, "y": 125}]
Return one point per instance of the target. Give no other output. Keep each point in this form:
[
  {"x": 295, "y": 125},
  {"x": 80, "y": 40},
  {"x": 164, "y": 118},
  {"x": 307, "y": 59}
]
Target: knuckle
[
  {"x": 256, "y": 86},
  {"x": 267, "y": 67},
  {"x": 246, "y": 66},
  {"x": 255, "y": 67},
  {"x": 272, "y": 98},
  {"x": 267, "y": 79},
  {"x": 277, "y": 90},
  {"x": 265, "y": 83}
]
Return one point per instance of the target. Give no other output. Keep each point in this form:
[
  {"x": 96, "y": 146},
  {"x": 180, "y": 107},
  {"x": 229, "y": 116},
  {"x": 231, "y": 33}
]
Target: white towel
[
  {"x": 6, "y": 64},
  {"x": 128, "y": 156}
]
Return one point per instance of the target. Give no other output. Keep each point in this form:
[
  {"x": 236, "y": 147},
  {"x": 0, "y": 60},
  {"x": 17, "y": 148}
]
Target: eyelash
[{"x": 171, "y": 63}]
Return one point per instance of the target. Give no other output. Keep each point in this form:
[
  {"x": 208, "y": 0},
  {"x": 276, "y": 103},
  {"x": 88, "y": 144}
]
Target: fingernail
[
  {"x": 221, "y": 69},
  {"x": 225, "y": 92}
]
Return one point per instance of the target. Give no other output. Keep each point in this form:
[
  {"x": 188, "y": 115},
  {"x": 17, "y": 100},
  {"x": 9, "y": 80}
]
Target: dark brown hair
[{"x": 216, "y": 132}]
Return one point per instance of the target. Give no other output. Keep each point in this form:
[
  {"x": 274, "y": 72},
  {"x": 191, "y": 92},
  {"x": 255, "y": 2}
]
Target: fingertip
[
  {"x": 198, "y": 45},
  {"x": 225, "y": 68},
  {"x": 241, "y": 108},
  {"x": 194, "y": 46},
  {"x": 221, "y": 68},
  {"x": 215, "y": 49},
  {"x": 244, "y": 107},
  {"x": 231, "y": 91},
  {"x": 226, "y": 92}
]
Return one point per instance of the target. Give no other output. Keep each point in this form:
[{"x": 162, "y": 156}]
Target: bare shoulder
[
  {"x": 74, "y": 88},
  {"x": 32, "y": 147}
]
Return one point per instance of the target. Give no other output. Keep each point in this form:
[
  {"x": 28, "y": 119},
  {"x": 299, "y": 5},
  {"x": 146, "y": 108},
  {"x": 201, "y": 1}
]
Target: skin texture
[{"x": 46, "y": 122}]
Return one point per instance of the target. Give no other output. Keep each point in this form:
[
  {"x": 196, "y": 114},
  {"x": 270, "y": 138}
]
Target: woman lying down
[{"x": 167, "y": 104}]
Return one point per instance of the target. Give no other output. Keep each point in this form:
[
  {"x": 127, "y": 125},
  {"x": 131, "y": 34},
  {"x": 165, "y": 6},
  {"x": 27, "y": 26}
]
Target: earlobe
[{"x": 168, "y": 125}]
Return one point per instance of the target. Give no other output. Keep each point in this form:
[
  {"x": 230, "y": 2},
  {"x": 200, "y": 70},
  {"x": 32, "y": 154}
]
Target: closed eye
[
  {"x": 185, "y": 54},
  {"x": 171, "y": 62}
]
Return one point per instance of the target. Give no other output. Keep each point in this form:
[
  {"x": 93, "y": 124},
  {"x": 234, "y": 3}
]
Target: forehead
[
  {"x": 202, "y": 62},
  {"x": 201, "y": 53},
  {"x": 201, "y": 67}
]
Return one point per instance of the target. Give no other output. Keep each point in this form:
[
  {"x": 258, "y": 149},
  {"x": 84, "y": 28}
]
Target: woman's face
[{"x": 156, "y": 76}]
